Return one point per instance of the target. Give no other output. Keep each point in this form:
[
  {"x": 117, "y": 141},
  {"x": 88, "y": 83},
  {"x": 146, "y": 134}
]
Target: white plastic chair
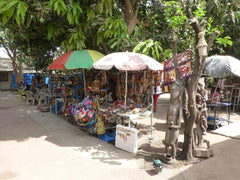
[
  {"x": 30, "y": 97},
  {"x": 41, "y": 98}
]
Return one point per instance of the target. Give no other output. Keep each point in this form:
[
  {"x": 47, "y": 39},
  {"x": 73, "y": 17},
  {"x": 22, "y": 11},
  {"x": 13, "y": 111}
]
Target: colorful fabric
[
  {"x": 76, "y": 60},
  {"x": 185, "y": 66}
]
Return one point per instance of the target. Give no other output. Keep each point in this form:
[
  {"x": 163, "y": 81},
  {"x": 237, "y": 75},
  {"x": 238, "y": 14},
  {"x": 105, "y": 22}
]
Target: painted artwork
[{"x": 185, "y": 65}]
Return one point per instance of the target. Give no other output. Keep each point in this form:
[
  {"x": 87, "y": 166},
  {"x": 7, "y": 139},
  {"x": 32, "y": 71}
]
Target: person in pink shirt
[{"x": 216, "y": 96}]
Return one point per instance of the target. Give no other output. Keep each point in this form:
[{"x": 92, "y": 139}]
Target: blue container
[
  {"x": 210, "y": 118},
  {"x": 108, "y": 136},
  {"x": 47, "y": 80},
  {"x": 59, "y": 105},
  {"x": 13, "y": 82}
]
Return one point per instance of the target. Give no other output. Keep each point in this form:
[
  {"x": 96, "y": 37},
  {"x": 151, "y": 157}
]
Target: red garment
[
  {"x": 216, "y": 97},
  {"x": 155, "y": 99}
]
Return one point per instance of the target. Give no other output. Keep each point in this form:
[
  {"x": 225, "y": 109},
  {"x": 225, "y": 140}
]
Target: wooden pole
[
  {"x": 126, "y": 90},
  {"x": 84, "y": 82}
]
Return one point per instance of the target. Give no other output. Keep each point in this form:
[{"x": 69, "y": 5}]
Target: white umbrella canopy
[
  {"x": 127, "y": 61},
  {"x": 221, "y": 66}
]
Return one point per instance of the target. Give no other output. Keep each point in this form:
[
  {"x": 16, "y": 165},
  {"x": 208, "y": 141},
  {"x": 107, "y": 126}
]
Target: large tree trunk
[
  {"x": 190, "y": 114},
  {"x": 189, "y": 121},
  {"x": 20, "y": 70},
  {"x": 131, "y": 25},
  {"x": 15, "y": 70},
  {"x": 130, "y": 15}
]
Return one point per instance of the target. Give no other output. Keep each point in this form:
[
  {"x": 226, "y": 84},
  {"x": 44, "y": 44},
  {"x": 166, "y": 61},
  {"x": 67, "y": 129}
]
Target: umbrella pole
[
  {"x": 152, "y": 106},
  {"x": 126, "y": 90},
  {"x": 84, "y": 83},
  {"x": 151, "y": 137}
]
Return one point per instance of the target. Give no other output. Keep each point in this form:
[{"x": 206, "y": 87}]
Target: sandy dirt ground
[
  {"x": 155, "y": 149},
  {"x": 45, "y": 146}
]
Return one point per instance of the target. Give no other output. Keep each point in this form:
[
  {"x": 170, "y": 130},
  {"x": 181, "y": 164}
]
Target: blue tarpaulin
[
  {"x": 28, "y": 78},
  {"x": 13, "y": 83}
]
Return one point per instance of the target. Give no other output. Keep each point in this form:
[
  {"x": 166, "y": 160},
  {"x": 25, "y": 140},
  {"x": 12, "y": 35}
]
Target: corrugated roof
[
  {"x": 6, "y": 65},
  {"x": 3, "y": 53}
]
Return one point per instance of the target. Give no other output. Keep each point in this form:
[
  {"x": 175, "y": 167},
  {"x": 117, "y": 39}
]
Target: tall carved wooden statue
[
  {"x": 174, "y": 117},
  {"x": 200, "y": 150}
]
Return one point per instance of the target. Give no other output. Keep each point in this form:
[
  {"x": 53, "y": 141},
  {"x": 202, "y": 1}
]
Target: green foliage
[
  {"x": 224, "y": 17},
  {"x": 11, "y": 7},
  {"x": 224, "y": 41},
  {"x": 115, "y": 32},
  {"x": 149, "y": 47},
  {"x": 168, "y": 53},
  {"x": 237, "y": 15},
  {"x": 200, "y": 12},
  {"x": 74, "y": 13},
  {"x": 38, "y": 27},
  {"x": 77, "y": 38},
  {"x": 174, "y": 14},
  {"x": 105, "y": 7},
  {"x": 59, "y": 6}
]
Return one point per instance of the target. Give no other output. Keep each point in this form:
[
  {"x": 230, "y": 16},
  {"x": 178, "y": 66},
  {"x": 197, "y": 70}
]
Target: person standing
[{"x": 156, "y": 88}]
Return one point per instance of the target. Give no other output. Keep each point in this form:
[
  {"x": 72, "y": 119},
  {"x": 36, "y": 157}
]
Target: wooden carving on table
[{"x": 174, "y": 117}]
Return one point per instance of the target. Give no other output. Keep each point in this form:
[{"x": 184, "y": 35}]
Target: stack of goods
[
  {"x": 87, "y": 117},
  {"x": 139, "y": 87},
  {"x": 84, "y": 112}
]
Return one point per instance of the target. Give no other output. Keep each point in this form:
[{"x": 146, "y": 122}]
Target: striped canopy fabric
[{"x": 76, "y": 60}]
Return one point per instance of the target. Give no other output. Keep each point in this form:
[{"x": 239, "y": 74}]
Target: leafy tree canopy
[{"x": 39, "y": 26}]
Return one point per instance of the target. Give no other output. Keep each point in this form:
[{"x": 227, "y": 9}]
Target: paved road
[{"x": 42, "y": 146}]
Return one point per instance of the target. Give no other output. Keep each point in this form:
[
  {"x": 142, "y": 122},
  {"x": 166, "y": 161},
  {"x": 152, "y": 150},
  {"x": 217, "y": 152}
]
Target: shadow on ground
[
  {"x": 223, "y": 165},
  {"x": 21, "y": 122}
]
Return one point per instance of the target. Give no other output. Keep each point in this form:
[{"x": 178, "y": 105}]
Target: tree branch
[
  {"x": 129, "y": 7},
  {"x": 143, "y": 24},
  {"x": 196, "y": 27},
  {"x": 136, "y": 13},
  {"x": 147, "y": 23},
  {"x": 105, "y": 48},
  {"x": 133, "y": 2},
  {"x": 199, "y": 62},
  {"x": 212, "y": 39}
]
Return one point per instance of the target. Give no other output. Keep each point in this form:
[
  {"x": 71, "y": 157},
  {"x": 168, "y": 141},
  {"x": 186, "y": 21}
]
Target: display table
[
  {"x": 127, "y": 117},
  {"x": 216, "y": 106}
]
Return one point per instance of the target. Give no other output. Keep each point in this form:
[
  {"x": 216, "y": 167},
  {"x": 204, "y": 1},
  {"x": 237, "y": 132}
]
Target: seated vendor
[{"x": 216, "y": 96}]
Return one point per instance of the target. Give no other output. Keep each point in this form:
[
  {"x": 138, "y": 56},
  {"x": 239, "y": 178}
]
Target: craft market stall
[
  {"x": 224, "y": 71},
  {"x": 134, "y": 79},
  {"x": 68, "y": 80},
  {"x": 117, "y": 91}
]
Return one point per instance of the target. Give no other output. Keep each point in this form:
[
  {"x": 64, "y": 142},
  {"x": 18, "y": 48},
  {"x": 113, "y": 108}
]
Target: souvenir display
[
  {"x": 65, "y": 86},
  {"x": 110, "y": 98}
]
